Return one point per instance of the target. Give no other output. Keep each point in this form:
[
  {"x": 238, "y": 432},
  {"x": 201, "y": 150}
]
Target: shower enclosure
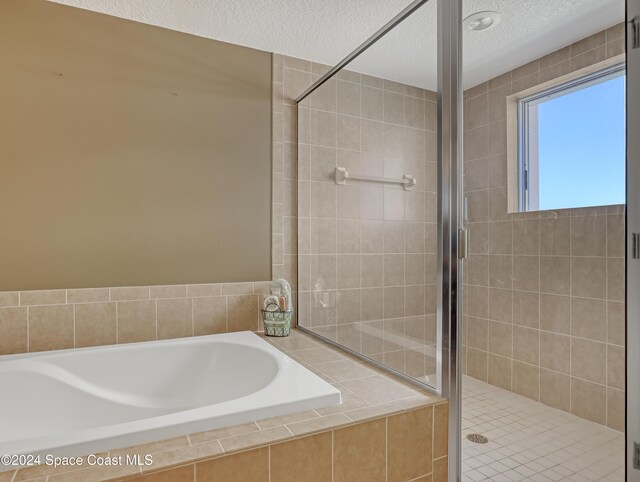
[
  {"x": 377, "y": 201},
  {"x": 384, "y": 222}
]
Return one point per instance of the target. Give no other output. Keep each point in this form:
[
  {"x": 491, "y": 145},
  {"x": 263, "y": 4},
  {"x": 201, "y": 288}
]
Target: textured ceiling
[{"x": 325, "y": 31}]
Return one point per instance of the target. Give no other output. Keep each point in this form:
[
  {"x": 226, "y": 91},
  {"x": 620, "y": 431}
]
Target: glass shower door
[{"x": 367, "y": 205}]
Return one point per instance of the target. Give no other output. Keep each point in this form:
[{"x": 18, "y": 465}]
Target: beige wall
[
  {"x": 368, "y": 251},
  {"x": 544, "y": 291},
  {"x": 59, "y": 319},
  {"x": 131, "y": 154}
]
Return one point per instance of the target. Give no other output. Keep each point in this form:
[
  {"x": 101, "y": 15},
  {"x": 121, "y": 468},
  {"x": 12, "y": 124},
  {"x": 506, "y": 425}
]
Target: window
[{"x": 571, "y": 143}]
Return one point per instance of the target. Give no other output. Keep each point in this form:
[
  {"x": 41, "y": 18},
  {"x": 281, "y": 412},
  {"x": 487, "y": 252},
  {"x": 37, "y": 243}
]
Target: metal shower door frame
[{"x": 632, "y": 248}]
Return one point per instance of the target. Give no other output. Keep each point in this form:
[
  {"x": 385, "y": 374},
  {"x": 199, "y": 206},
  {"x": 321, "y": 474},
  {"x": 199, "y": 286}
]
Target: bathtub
[{"x": 77, "y": 402}]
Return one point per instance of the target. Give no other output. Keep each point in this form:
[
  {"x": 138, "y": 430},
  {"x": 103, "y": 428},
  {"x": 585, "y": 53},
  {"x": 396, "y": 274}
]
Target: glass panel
[{"x": 367, "y": 248}]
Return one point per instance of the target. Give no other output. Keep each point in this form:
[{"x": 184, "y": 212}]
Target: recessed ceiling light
[{"x": 481, "y": 21}]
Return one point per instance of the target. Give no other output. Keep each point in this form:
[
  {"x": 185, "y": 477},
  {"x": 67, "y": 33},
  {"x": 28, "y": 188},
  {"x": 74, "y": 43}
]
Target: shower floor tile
[{"x": 530, "y": 441}]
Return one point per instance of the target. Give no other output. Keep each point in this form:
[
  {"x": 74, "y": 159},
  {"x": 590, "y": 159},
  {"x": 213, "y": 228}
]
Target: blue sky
[{"x": 582, "y": 147}]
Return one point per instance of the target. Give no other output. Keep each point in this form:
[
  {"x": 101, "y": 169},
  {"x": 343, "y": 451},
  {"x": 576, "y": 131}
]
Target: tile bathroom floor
[{"x": 530, "y": 441}]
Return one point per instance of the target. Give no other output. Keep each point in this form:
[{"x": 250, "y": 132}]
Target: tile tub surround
[
  {"x": 367, "y": 251},
  {"x": 384, "y": 428},
  {"x": 52, "y": 320},
  {"x": 544, "y": 291}
]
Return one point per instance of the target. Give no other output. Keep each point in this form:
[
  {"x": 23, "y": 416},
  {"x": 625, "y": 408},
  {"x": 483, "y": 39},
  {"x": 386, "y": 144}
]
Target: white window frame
[{"x": 522, "y": 179}]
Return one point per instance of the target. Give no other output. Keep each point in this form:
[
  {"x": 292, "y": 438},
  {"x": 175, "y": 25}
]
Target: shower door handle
[{"x": 463, "y": 243}]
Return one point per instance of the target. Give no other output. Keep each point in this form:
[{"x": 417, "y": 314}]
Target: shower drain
[{"x": 476, "y": 438}]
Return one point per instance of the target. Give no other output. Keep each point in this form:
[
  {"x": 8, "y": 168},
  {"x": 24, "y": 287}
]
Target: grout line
[{"x": 386, "y": 449}]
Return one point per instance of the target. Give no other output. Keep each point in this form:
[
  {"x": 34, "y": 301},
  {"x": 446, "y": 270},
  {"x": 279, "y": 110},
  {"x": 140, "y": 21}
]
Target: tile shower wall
[
  {"x": 59, "y": 319},
  {"x": 544, "y": 291},
  {"x": 367, "y": 251}
]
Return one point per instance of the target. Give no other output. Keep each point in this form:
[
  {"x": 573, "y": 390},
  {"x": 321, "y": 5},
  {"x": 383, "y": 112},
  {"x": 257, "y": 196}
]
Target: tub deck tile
[
  {"x": 286, "y": 419},
  {"x": 367, "y": 393},
  {"x": 319, "y": 424},
  {"x": 223, "y": 432},
  {"x": 254, "y": 439}
]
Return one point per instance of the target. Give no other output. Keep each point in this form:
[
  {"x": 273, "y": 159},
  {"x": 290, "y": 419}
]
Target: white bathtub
[{"x": 78, "y": 402}]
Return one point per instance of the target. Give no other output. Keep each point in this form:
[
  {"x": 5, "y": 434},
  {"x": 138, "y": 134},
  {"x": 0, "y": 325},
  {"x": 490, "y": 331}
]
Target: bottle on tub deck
[{"x": 277, "y": 309}]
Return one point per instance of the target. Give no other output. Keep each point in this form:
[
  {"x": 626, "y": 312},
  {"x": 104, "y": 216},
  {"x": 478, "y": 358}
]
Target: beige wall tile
[
  {"x": 501, "y": 305},
  {"x": 615, "y": 322},
  {"x": 615, "y": 235},
  {"x": 129, "y": 293},
  {"x": 13, "y": 326},
  {"x": 526, "y": 345},
  {"x": 90, "y": 295},
  {"x": 525, "y": 70},
  {"x": 500, "y": 339},
  {"x": 555, "y": 236},
  {"x": 588, "y": 43},
  {"x": 526, "y": 237},
  {"x": 555, "y": 275},
  {"x": 476, "y": 143},
  {"x": 555, "y": 352},
  {"x": 409, "y": 444},
  {"x": 303, "y": 459},
  {"x": 243, "y": 312},
  {"x": 477, "y": 301},
  {"x": 500, "y": 270},
  {"x": 95, "y": 324},
  {"x": 50, "y": 327},
  {"x": 526, "y": 273},
  {"x": 136, "y": 321},
  {"x": 615, "y": 279},
  {"x": 195, "y": 291},
  {"x": 555, "y": 71},
  {"x": 526, "y": 380},
  {"x": 476, "y": 175},
  {"x": 209, "y": 315},
  {"x": 556, "y": 57},
  {"x": 440, "y": 471},
  {"x": 526, "y": 309},
  {"x": 588, "y": 277},
  {"x": 500, "y": 371},
  {"x": 616, "y": 367},
  {"x": 44, "y": 297},
  {"x": 174, "y": 318},
  {"x": 588, "y": 400},
  {"x": 477, "y": 364},
  {"x": 589, "y": 319},
  {"x": 348, "y": 98},
  {"x": 440, "y": 430},
  {"x": 615, "y": 409},
  {"x": 477, "y": 332},
  {"x": 477, "y": 90},
  {"x": 250, "y": 466},
  {"x": 9, "y": 298},
  {"x": 555, "y": 313},
  {"x": 360, "y": 452},
  {"x": 476, "y": 112},
  {"x": 589, "y": 360},
  {"x": 478, "y": 211},
  {"x": 555, "y": 390},
  {"x": 589, "y": 235},
  {"x": 498, "y": 205}
]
